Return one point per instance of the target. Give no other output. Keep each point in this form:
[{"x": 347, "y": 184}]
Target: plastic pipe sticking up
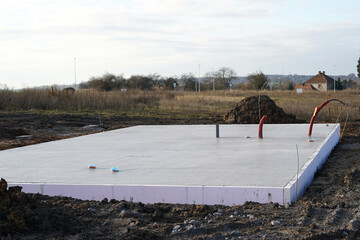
[
  {"x": 261, "y": 125},
  {"x": 317, "y": 110},
  {"x": 217, "y": 130}
]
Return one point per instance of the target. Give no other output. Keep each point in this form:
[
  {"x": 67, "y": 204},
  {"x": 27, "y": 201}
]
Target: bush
[
  {"x": 257, "y": 80},
  {"x": 106, "y": 82}
]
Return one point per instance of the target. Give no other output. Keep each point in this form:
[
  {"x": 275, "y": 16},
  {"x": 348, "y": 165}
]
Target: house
[
  {"x": 320, "y": 82},
  {"x": 304, "y": 87}
]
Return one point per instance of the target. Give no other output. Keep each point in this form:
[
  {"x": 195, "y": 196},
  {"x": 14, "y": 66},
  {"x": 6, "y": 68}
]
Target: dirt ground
[
  {"x": 330, "y": 208},
  {"x": 43, "y": 128}
]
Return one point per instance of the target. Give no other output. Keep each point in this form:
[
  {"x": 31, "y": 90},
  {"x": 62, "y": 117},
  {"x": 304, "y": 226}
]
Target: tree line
[{"x": 222, "y": 79}]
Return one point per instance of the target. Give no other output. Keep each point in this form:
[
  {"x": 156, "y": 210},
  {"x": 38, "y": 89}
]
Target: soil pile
[
  {"x": 11, "y": 215},
  {"x": 28, "y": 214},
  {"x": 247, "y": 111}
]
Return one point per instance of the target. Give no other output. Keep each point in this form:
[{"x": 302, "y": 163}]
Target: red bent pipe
[
  {"x": 261, "y": 125},
  {"x": 317, "y": 110}
]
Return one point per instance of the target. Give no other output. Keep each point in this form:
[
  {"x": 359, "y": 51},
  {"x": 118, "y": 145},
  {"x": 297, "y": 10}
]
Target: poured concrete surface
[{"x": 172, "y": 161}]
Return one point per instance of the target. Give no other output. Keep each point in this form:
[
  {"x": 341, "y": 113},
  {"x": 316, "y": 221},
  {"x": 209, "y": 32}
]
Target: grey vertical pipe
[{"x": 217, "y": 130}]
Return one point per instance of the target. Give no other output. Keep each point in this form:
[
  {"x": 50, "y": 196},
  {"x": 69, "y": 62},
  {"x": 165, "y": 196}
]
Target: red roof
[
  {"x": 305, "y": 86},
  {"x": 321, "y": 77}
]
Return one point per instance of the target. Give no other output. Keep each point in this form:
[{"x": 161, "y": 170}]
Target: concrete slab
[{"x": 175, "y": 163}]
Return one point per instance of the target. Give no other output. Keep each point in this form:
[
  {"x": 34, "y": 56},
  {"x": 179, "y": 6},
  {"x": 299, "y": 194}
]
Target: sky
[{"x": 40, "y": 39}]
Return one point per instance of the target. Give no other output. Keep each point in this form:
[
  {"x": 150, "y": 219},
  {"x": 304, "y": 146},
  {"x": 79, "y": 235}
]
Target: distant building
[{"x": 320, "y": 82}]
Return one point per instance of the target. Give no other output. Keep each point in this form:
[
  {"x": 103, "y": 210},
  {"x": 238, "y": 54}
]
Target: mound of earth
[
  {"x": 247, "y": 111},
  {"x": 34, "y": 214}
]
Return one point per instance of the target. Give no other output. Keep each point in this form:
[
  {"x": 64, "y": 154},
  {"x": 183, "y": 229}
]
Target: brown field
[
  {"x": 328, "y": 210},
  {"x": 174, "y": 104}
]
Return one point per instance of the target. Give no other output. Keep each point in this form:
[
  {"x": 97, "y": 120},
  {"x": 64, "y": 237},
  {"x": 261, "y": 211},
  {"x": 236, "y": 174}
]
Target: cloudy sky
[{"x": 39, "y": 39}]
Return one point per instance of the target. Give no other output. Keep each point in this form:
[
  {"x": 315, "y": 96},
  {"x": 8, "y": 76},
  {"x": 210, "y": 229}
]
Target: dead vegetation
[
  {"x": 166, "y": 103},
  {"x": 82, "y": 100}
]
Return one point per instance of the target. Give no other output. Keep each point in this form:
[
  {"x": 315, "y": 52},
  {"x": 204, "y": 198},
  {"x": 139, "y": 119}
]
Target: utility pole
[
  {"x": 334, "y": 78},
  {"x": 199, "y": 77},
  {"x": 75, "y": 70}
]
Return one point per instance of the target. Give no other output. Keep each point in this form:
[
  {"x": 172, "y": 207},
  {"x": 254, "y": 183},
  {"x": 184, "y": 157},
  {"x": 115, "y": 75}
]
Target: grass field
[{"x": 173, "y": 104}]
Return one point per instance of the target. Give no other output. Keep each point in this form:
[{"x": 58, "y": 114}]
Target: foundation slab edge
[
  {"x": 210, "y": 195},
  {"x": 313, "y": 164}
]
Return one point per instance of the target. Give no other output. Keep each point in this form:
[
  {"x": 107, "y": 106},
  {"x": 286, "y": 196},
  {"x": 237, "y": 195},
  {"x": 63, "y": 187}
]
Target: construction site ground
[{"x": 329, "y": 209}]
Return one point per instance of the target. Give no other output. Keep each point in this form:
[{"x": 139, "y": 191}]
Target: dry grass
[
  {"x": 302, "y": 105},
  {"x": 170, "y": 104},
  {"x": 86, "y": 100}
]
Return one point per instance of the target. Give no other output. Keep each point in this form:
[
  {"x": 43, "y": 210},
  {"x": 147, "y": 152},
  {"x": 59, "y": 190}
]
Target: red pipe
[
  {"x": 317, "y": 110},
  {"x": 261, "y": 125}
]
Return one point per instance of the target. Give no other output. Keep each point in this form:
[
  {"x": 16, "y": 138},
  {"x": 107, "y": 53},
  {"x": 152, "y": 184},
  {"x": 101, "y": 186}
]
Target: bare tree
[
  {"x": 188, "y": 81},
  {"x": 222, "y": 77},
  {"x": 227, "y": 73}
]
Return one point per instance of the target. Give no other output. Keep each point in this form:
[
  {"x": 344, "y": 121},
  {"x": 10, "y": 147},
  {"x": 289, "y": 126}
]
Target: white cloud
[{"x": 41, "y": 37}]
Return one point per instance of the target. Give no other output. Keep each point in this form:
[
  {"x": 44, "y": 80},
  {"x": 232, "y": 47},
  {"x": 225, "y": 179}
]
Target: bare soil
[
  {"x": 329, "y": 209},
  {"x": 44, "y": 127}
]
